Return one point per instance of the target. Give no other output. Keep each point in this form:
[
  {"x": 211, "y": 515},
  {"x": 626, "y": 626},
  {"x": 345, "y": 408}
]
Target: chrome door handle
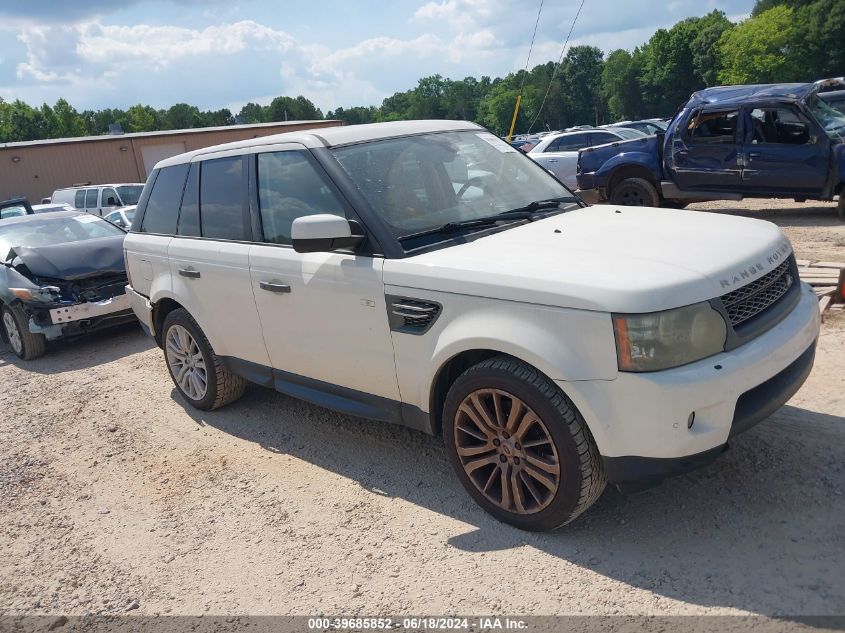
[
  {"x": 190, "y": 273},
  {"x": 274, "y": 286}
]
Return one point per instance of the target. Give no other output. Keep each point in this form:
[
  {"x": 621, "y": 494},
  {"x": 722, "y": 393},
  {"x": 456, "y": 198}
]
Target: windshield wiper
[{"x": 521, "y": 213}]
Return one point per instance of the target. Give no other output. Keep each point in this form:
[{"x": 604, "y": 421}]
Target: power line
[
  {"x": 554, "y": 73},
  {"x": 531, "y": 48},
  {"x": 524, "y": 74}
]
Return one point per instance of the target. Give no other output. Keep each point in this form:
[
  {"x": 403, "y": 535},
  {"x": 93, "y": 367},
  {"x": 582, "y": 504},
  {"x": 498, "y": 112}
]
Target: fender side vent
[{"x": 411, "y": 316}]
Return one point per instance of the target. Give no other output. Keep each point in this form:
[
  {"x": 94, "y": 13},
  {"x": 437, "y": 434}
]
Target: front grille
[
  {"x": 754, "y": 298},
  {"x": 411, "y": 316}
]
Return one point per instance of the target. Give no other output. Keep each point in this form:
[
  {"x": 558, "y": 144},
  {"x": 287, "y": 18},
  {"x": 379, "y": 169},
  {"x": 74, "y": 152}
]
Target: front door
[
  {"x": 706, "y": 155},
  {"x": 323, "y": 315},
  {"x": 784, "y": 151}
]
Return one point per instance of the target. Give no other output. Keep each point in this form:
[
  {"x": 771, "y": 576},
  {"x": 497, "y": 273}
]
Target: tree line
[{"x": 782, "y": 41}]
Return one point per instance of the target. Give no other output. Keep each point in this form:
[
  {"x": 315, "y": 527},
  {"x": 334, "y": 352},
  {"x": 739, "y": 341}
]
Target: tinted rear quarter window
[
  {"x": 79, "y": 199},
  {"x": 163, "y": 206},
  {"x": 91, "y": 198},
  {"x": 189, "y": 215},
  {"x": 222, "y": 198}
]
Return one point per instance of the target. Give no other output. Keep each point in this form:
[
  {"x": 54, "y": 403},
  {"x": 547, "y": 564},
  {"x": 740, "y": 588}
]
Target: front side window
[
  {"x": 600, "y": 138},
  {"x": 713, "y": 127},
  {"x": 79, "y": 199},
  {"x": 91, "y": 198},
  {"x": 290, "y": 187},
  {"x": 222, "y": 198},
  {"x": 423, "y": 182},
  {"x": 110, "y": 198},
  {"x": 778, "y": 125},
  {"x": 831, "y": 119},
  {"x": 163, "y": 205}
]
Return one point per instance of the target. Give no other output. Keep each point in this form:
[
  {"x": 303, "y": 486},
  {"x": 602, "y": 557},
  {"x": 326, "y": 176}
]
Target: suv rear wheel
[
  {"x": 519, "y": 445},
  {"x": 24, "y": 343},
  {"x": 635, "y": 192},
  {"x": 194, "y": 367}
]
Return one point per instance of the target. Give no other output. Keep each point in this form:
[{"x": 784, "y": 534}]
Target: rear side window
[
  {"x": 91, "y": 198},
  {"x": 163, "y": 206},
  {"x": 189, "y": 215},
  {"x": 600, "y": 138},
  {"x": 79, "y": 199},
  {"x": 290, "y": 187},
  {"x": 222, "y": 198},
  {"x": 714, "y": 127},
  {"x": 574, "y": 142}
]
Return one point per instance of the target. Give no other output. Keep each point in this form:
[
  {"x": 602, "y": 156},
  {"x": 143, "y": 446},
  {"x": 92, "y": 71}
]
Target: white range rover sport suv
[{"x": 428, "y": 274}]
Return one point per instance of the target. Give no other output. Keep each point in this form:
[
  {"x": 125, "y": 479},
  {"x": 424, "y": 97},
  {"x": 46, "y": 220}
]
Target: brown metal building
[{"x": 35, "y": 169}]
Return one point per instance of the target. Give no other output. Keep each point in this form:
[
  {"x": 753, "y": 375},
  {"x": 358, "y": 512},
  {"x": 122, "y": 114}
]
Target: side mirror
[
  {"x": 324, "y": 233},
  {"x": 111, "y": 202}
]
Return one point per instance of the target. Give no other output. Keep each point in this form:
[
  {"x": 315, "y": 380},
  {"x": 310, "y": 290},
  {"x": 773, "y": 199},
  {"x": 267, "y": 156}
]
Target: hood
[
  {"x": 606, "y": 258},
  {"x": 75, "y": 260}
]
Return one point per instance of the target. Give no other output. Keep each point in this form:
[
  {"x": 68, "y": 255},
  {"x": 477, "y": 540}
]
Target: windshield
[
  {"x": 423, "y": 182},
  {"x": 130, "y": 194},
  {"x": 51, "y": 231},
  {"x": 831, "y": 119},
  {"x": 12, "y": 212}
]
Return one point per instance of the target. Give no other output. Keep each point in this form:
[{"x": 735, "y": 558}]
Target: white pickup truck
[{"x": 428, "y": 274}]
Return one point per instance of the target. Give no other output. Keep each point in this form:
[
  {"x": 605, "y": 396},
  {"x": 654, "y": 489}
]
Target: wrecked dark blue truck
[{"x": 730, "y": 142}]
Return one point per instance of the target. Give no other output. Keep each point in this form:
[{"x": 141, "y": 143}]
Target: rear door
[
  {"x": 785, "y": 152},
  {"x": 707, "y": 154},
  {"x": 209, "y": 257}
]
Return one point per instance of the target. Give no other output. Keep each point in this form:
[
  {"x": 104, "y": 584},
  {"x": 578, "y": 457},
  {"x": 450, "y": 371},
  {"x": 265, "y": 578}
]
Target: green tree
[
  {"x": 252, "y": 113},
  {"x": 705, "y": 46},
  {"x": 758, "y": 49},
  {"x": 620, "y": 84},
  {"x": 142, "y": 118},
  {"x": 818, "y": 46},
  {"x": 182, "y": 116}
]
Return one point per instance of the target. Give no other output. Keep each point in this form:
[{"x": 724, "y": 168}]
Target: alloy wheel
[
  {"x": 506, "y": 451},
  {"x": 12, "y": 332},
  {"x": 186, "y": 362}
]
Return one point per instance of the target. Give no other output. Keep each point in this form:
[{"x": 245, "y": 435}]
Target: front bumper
[{"x": 639, "y": 421}]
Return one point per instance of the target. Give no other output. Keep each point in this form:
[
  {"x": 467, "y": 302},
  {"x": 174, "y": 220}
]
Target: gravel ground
[{"x": 116, "y": 498}]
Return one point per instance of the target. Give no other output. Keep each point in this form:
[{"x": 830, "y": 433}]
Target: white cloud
[{"x": 95, "y": 63}]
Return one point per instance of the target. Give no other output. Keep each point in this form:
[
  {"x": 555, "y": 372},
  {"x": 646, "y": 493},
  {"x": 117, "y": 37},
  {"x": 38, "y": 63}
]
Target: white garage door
[{"x": 154, "y": 153}]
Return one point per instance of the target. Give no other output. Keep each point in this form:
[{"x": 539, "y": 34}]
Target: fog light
[{"x": 691, "y": 420}]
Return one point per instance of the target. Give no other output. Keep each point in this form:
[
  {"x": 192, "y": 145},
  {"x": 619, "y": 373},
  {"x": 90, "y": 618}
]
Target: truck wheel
[
  {"x": 635, "y": 192},
  {"x": 519, "y": 445},
  {"x": 24, "y": 343},
  {"x": 194, "y": 367}
]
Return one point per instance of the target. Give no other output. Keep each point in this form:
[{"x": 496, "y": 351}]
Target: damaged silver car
[{"x": 62, "y": 275}]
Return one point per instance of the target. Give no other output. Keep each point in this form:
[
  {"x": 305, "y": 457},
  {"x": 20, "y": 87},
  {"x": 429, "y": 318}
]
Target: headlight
[
  {"x": 47, "y": 294},
  {"x": 661, "y": 340}
]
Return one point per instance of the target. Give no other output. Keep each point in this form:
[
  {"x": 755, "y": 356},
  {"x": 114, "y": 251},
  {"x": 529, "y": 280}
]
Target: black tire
[
  {"x": 25, "y": 344},
  {"x": 222, "y": 386},
  {"x": 840, "y": 209},
  {"x": 635, "y": 192},
  {"x": 581, "y": 478}
]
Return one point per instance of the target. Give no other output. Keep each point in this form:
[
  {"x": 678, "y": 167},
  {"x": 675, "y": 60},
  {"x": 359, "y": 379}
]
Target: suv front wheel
[
  {"x": 519, "y": 445},
  {"x": 194, "y": 367}
]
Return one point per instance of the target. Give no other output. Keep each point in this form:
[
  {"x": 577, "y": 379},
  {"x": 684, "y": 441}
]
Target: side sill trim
[{"x": 337, "y": 398}]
